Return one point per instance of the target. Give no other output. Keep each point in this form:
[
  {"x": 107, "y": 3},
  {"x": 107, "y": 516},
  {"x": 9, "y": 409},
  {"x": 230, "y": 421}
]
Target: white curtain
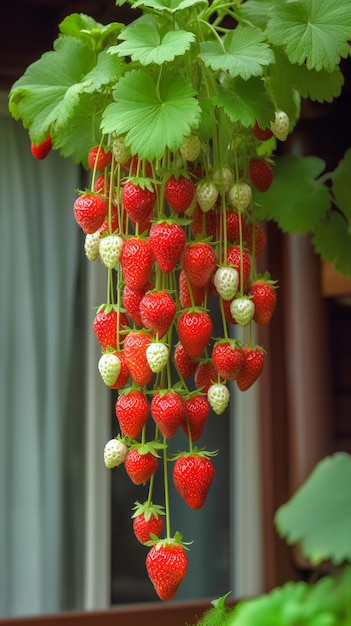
[{"x": 42, "y": 379}]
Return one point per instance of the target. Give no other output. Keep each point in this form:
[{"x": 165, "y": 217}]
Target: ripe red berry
[
  {"x": 264, "y": 296},
  {"x": 89, "y": 212},
  {"x": 99, "y": 158},
  {"x": 135, "y": 344},
  {"x": 168, "y": 411},
  {"x": 138, "y": 201},
  {"x": 194, "y": 330},
  {"x": 40, "y": 151},
  {"x": 261, "y": 174},
  {"x": 240, "y": 259},
  {"x": 140, "y": 464},
  {"x": 157, "y": 312},
  {"x": 166, "y": 565},
  {"x": 136, "y": 262},
  {"x": 262, "y": 134},
  {"x": 107, "y": 324},
  {"x": 252, "y": 367},
  {"x": 254, "y": 237},
  {"x": 199, "y": 262},
  {"x": 132, "y": 410},
  {"x": 228, "y": 358},
  {"x": 184, "y": 363},
  {"x": 147, "y": 521},
  {"x": 205, "y": 375},
  {"x": 179, "y": 193},
  {"x": 197, "y": 412},
  {"x": 192, "y": 477},
  {"x": 167, "y": 240}
]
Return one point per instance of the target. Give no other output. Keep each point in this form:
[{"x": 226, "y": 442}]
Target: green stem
[{"x": 166, "y": 488}]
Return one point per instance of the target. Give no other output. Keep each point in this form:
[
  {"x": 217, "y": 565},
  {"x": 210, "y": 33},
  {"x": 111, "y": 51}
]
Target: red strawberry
[
  {"x": 252, "y": 367},
  {"x": 228, "y": 358},
  {"x": 157, "y": 312},
  {"x": 167, "y": 239},
  {"x": 132, "y": 410},
  {"x": 233, "y": 219},
  {"x": 136, "y": 261},
  {"x": 197, "y": 409},
  {"x": 261, "y": 174},
  {"x": 131, "y": 301},
  {"x": 199, "y": 262},
  {"x": 147, "y": 521},
  {"x": 89, "y": 212},
  {"x": 184, "y": 363},
  {"x": 166, "y": 565},
  {"x": 135, "y": 344},
  {"x": 138, "y": 199},
  {"x": 124, "y": 372},
  {"x": 179, "y": 192},
  {"x": 204, "y": 224},
  {"x": 140, "y": 464},
  {"x": 227, "y": 311},
  {"x": 168, "y": 411},
  {"x": 40, "y": 151},
  {"x": 239, "y": 257},
  {"x": 205, "y": 375},
  {"x": 99, "y": 158},
  {"x": 255, "y": 238},
  {"x": 107, "y": 323},
  {"x": 193, "y": 474},
  {"x": 135, "y": 167},
  {"x": 263, "y": 294},
  {"x": 194, "y": 330},
  {"x": 189, "y": 294},
  {"x": 262, "y": 134}
]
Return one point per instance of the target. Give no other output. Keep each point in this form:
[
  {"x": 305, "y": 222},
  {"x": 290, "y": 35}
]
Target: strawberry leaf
[
  {"x": 89, "y": 31},
  {"x": 48, "y": 94},
  {"x": 295, "y": 199},
  {"x": 154, "y": 114},
  {"x": 318, "y": 516},
  {"x": 246, "y": 101},
  {"x": 332, "y": 241},
  {"x": 256, "y": 11},
  {"x": 315, "y": 33},
  {"x": 169, "y": 6},
  {"x": 143, "y": 43},
  {"x": 243, "y": 52}
]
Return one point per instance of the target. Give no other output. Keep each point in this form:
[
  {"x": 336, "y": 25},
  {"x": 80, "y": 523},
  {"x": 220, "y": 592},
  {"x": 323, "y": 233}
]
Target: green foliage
[
  {"x": 199, "y": 66},
  {"x": 318, "y": 516}
]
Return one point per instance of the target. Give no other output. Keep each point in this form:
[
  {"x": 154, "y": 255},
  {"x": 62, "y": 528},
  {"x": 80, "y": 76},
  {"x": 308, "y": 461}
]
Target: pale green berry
[
  {"x": 206, "y": 195},
  {"x": 190, "y": 148},
  {"x": 240, "y": 196},
  {"x": 110, "y": 249},
  {"x": 226, "y": 280},
  {"x": 109, "y": 367},
  {"x": 224, "y": 179},
  {"x": 242, "y": 309},
  {"x": 121, "y": 152},
  {"x": 218, "y": 396},
  {"x": 281, "y": 125},
  {"x": 115, "y": 452},
  {"x": 157, "y": 354},
  {"x": 91, "y": 245}
]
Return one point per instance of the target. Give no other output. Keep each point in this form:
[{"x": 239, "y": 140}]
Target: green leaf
[
  {"x": 282, "y": 88},
  {"x": 332, "y": 241},
  {"x": 256, "y": 11},
  {"x": 170, "y": 6},
  {"x": 341, "y": 182},
  {"x": 143, "y": 43},
  {"x": 318, "y": 516},
  {"x": 246, "y": 101},
  {"x": 49, "y": 90},
  {"x": 153, "y": 114},
  {"x": 243, "y": 53},
  {"x": 295, "y": 199},
  {"x": 89, "y": 31},
  {"x": 315, "y": 33}
]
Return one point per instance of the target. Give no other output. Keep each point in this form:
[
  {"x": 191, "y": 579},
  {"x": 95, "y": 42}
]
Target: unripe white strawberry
[
  {"x": 91, "y": 245},
  {"x": 109, "y": 367},
  {"x": 240, "y": 196},
  {"x": 157, "y": 354},
  {"x": 224, "y": 179},
  {"x": 242, "y": 309},
  {"x": 121, "y": 152},
  {"x": 115, "y": 452},
  {"x": 110, "y": 249},
  {"x": 281, "y": 125},
  {"x": 190, "y": 148},
  {"x": 218, "y": 396},
  {"x": 206, "y": 195},
  {"x": 226, "y": 281}
]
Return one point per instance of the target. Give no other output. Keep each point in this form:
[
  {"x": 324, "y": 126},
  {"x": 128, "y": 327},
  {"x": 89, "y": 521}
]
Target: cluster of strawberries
[{"x": 177, "y": 237}]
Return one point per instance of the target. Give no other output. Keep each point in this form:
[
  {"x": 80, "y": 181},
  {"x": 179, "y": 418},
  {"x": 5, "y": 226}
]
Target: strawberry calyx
[
  {"x": 193, "y": 452},
  {"x": 149, "y": 447},
  {"x": 148, "y": 509},
  {"x": 168, "y": 542}
]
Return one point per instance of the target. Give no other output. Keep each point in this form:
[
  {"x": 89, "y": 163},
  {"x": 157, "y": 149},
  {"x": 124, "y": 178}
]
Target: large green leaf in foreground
[
  {"x": 154, "y": 114},
  {"x": 318, "y": 516}
]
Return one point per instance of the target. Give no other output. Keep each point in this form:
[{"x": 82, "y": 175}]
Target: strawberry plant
[{"x": 178, "y": 117}]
